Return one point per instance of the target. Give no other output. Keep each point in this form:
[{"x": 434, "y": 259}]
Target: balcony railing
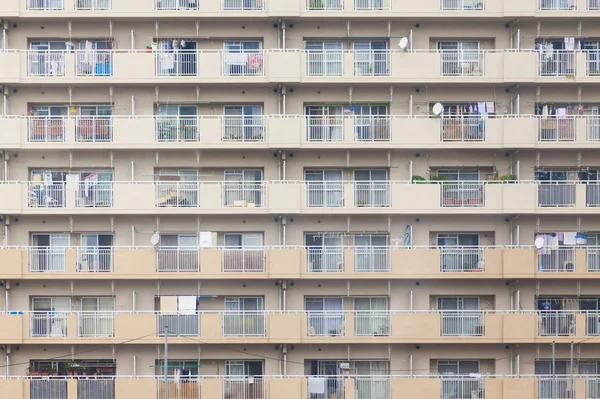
[
  {"x": 462, "y": 388},
  {"x": 325, "y": 194},
  {"x": 556, "y": 323},
  {"x": 94, "y": 259},
  {"x": 372, "y": 62},
  {"x": 557, "y": 129},
  {"x": 93, "y": 5},
  {"x": 94, "y": 129},
  {"x": 176, "y": 128},
  {"x": 94, "y": 63},
  {"x": 243, "y": 63},
  {"x": 324, "y": 63},
  {"x": 45, "y": 5},
  {"x": 462, "y": 62},
  {"x": 176, "y": 63},
  {"x": 47, "y": 259},
  {"x": 180, "y": 194},
  {"x": 244, "y": 324},
  {"x": 372, "y": 324},
  {"x": 244, "y": 388},
  {"x": 557, "y": 62},
  {"x": 593, "y": 5},
  {"x": 325, "y": 324},
  {"x": 592, "y": 194},
  {"x": 556, "y": 259},
  {"x": 463, "y": 5},
  {"x": 373, "y": 388},
  {"x": 372, "y": 259},
  {"x": 244, "y": 260},
  {"x": 372, "y": 5},
  {"x": 243, "y": 128},
  {"x": 243, "y": 194},
  {"x": 592, "y": 323},
  {"x": 325, "y": 128},
  {"x": 42, "y": 129},
  {"x": 592, "y": 128},
  {"x": 555, "y": 387},
  {"x": 177, "y": 260},
  {"x": 462, "y": 259},
  {"x": 462, "y": 194},
  {"x": 372, "y": 194},
  {"x": 54, "y": 388},
  {"x": 97, "y": 388},
  {"x": 175, "y": 5},
  {"x": 557, "y": 5},
  {"x": 46, "y": 195},
  {"x": 593, "y": 259},
  {"x": 323, "y": 5},
  {"x": 46, "y": 63},
  {"x": 95, "y": 324},
  {"x": 556, "y": 194},
  {"x": 178, "y": 325},
  {"x": 47, "y": 324},
  {"x": 95, "y": 194},
  {"x": 186, "y": 387},
  {"x": 464, "y": 323},
  {"x": 370, "y": 128},
  {"x": 243, "y": 5},
  {"x": 333, "y": 388},
  {"x": 327, "y": 259},
  {"x": 463, "y": 129}
]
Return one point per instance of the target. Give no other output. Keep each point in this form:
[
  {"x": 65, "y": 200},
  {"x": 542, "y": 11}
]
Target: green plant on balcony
[
  {"x": 416, "y": 179},
  {"x": 317, "y": 4}
]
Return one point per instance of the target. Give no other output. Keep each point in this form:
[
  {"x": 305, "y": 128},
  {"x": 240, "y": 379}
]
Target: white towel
[
  {"x": 316, "y": 385},
  {"x": 570, "y": 238}
]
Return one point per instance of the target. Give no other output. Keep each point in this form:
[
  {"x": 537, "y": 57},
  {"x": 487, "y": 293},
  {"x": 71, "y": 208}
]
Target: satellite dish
[
  {"x": 539, "y": 242},
  {"x": 438, "y": 109},
  {"x": 403, "y": 43},
  {"x": 155, "y": 239}
]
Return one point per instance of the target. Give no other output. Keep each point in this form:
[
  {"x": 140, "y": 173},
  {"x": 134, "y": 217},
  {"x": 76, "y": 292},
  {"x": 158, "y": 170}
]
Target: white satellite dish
[
  {"x": 403, "y": 44},
  {"x": 539, "y": 242},
  {"x": 155, "y": 239},
  {"x": 438, "y": 109}
]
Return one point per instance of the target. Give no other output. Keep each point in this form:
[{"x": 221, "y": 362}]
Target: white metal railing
[
  {"x": 98, "y": 388},
  {"x": 371, "y": 5},
  {"x": 45, "y": 63},
  {"x": 593, "y": 259},
  {"x": 42, "y": 195},
  {"x": 593, "y": 5},
  {"x": 333, "y": 388},
  {"x": 592, "y": 128},
  {"x": 462, "y": 62},
  {"x": 244, "y": 388},
  {"x": 372, "y": 324},
  {"x": 177, "y": 259},
  {"x": 94, "y": 63},
  {"x": 556, "y": 129},
  {"x": 325, "y": 324},
  {"x": 462, "y": 388},
  {"x": 94, "y": 129},
  {"x": 93, "y": 5},
  {"x": 463, "y": 129},
  {"x": 95, "y": 324},
  {"x": 243, "y": 63},
  {"x": 47, "y": 259},
  {"x": 463, "y": 5},
  {"x": 556, "y": 259},
  {"x": 324, "y": 63},
  {"x": 48, "y": 388},
  {"x": 462, "y": 259},
  {"x": 45, "y": 5},
  {"x": 372, "y": 194},
  {"x": 373, "y": 388},
  {"x": 556, "y": 323},
  {"x": 555, "y": 387},
  {"x": 372, "y": 63},
  {"x": 592, "y": 194},
  {"x": 47, "y": 324},
  {"x": 243, "y": 128},
  {"x": 592, "y": 61},
  {"x": 369, "y": 128},
  {"x": 592, "y": 388},
  {"x": 178, "y": 325},
  {"x": 176, "y": 63},
  {"x": 244, "y": 324},
  {"x": 94, "y": 259},
  {"x": 557, "y": 5},
  {"x": 243, "y": 5},
  {"x": 325, "y": 128},
  {"x": 42, "y": 129},
  {"x": 324, "y": 5},
  {"x": 95, "y": 194},
  {"x": 327, "y": 259},
  {"x": 462, "y": 194},
  {"x": 243, "y": 260},
  {"x": 372, "y": 259},
  {"x": 463, "y": 323},
  {"x": 243, "y": 194},
  {"x": 556, "y": 194},
  {"x": 177, "y": 194},
  {"x": 592, "y": 323},
  {"x": 325, "y": 194},
  {"x": 176, "y": 128},
  {"x": 556, "y": 62},
  {"x": 174, "y": 5}
]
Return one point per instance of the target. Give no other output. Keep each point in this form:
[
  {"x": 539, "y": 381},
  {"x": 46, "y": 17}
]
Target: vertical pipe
[
  {"x": 284, "y": 296},
  {"x": 553, "y": 385},
  {"x": 4, "y": 105},
  {"x": 283, "y": 34},
  {"x": 134, "y": 366},
  {"x": 7, "y": 366},
  {"x": 283, "y": 236},
  {"x": 166, "y": 363},
  {"x": 571, "y": 396},
  {"x": 285, "y": 364},
  {"x": 6, "y": 242},
  {"x": 5, "y": 171}
]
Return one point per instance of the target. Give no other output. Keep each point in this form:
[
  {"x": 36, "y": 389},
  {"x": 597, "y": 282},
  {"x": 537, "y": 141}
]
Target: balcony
[
  {"x": 46, "y": 129},
  {"x": 177, "y": 194},
  {"x": 372, "y": 5},
  {"x": 372, "y": 259},
  {"x": 47, "y": 259},
  {"x": 175, "y": 5},
  {"x": 557, "y": 194},
  {"x": 244, "y": 260},
  {"x": 462, "y": 387},
  {"x": 557, "y": 260},
  {"x": 372, "y": 324},
  {"x": 325, "y": 260},
  {"x": 244, "y": 324},
  {"x": 96, "y": 324},
  {"x": 557, "y": 5},
  {"x": 462, "y": 194},
  {"x": 463, "y": 130},
  {"x": 95, "y": 259},
  {"x": 463, "y": 324},
  {"x": 93, "y": 129},
  {"x": 463, "y": 5},
  {"x": 45, "y": 5},
  {"x": 178, "y": 325},
  {"x": 177, "y": 260},
  {"x": 462, "y": 63},
  {"x": 243, "y": 5},
  {"x": 93, "y": 5},
  {"x": 325, "y": 324},
  {"x": 462, "y": 259},
  {"x": 48, "y": 324},
  {"x": 556, "y": 323}
]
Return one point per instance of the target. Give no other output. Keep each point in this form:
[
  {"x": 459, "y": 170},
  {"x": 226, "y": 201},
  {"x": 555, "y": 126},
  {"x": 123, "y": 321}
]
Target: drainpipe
[
  {"x": 283, "y": 93},
  {"x": 284, "y": 349},
  {"x": 283, "y": 295},
  {"x": 283, "y": 157},
  {"x": 279, "y": 34},
  {"x": 283, "y": 34}
]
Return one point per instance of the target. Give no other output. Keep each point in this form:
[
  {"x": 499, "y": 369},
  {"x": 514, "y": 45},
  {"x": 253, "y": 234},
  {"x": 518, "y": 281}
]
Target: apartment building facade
[{"x": 311, "y": 199}]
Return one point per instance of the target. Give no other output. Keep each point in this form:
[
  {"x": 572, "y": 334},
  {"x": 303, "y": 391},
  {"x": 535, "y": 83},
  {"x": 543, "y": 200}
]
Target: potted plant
[
  {"x": 361, "y": 203},
  {"x": 53, "y": 372},
  {"x": 72, "y": 369},
  {"x": 416, "y": 179},
  {"x": 508, "y": 178},
  {"x": 45, "y": 372},
  {"x": 33, "y": 372}
]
